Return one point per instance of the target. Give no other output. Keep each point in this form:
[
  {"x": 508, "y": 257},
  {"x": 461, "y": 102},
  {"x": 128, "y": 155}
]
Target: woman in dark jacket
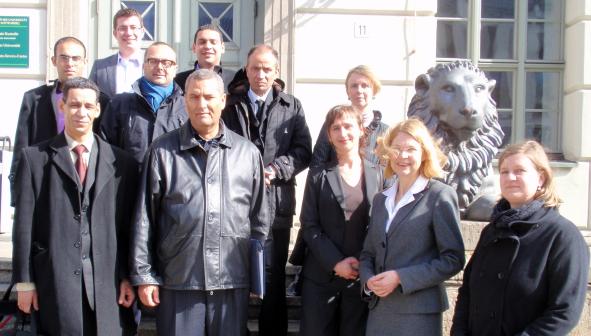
[
  {"x": 334, "y": 217},
  {"x": 528, "y": 274}
]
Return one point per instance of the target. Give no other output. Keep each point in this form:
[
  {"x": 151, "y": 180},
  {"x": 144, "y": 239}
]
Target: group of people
[{"x": 141, "y": 184}]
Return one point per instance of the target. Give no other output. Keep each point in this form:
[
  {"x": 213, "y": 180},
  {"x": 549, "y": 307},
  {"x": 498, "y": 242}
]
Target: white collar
[
  {"x": 73, "y": 143},
  {"x": 136, "y": 57},
  {"x": 419, "y": 185},
  {"x": 253, "y": 96}
]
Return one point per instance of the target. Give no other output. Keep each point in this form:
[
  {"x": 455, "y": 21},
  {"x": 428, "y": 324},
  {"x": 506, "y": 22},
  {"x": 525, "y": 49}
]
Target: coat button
[
  {"x": 77, "y": 244},
  {"x": 84, "y": 257},
  {"x": 77, "y": 217},
  {"x": 500, "y": 275},
  {"x": 77, "y": 272},
  {"x": 210, "y": 180},
  {"x": 84, "y": 207},
  {"x": 210, "y": 217}
]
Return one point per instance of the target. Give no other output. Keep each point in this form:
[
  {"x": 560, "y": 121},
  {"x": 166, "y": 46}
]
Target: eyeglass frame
[
  {"x": 67, "y": 58},
  {"x": 162, "y": 61},
  {"x": 124, "y": 29}
]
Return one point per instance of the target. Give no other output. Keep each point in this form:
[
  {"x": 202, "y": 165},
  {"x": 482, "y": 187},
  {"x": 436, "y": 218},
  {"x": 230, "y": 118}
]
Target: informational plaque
[{"x": 14, "y": 41}]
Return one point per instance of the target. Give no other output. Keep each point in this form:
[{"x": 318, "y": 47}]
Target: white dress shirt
[
  {"x": 390, "y": 203},
  {"x": 128, "y": 71}
]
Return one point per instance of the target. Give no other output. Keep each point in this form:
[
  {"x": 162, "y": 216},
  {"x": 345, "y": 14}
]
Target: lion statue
[{"x": 454, "y": 101}]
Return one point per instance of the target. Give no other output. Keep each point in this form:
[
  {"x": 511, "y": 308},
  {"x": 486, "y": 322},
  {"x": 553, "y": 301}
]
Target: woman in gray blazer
[
  {"x": 334, "y": 217},
  {"x": 414, "y": 243}
]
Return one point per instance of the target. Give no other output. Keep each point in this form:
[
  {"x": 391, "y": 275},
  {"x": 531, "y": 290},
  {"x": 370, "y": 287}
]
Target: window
[
  {"x": 148, "y": 11},
  {"x": 220, "y": 14},
  {"x": 520, "y": 45}
]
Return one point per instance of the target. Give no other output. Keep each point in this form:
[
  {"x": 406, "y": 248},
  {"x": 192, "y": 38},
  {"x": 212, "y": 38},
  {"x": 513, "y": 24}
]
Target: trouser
[
  {"x": 332, "y": 309},
  {"x": 201, "y": 313},
  {"x": 273, "y": 314}
]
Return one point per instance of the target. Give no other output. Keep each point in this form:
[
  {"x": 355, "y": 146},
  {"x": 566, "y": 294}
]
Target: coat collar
[
  {"x": 418, "y": 193},
  {"x": 188, "y": 141},
  {"x": 104, "y": 163},
  {"x": 369, "y": 178}
]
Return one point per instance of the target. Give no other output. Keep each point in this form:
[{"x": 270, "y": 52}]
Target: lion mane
[{"x": 469, "y": 162}]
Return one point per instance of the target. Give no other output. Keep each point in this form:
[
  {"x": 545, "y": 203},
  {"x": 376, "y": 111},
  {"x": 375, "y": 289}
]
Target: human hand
[
  {"x": 26, "y": 299},
  {"x": 126, "y": 294},
  {"x": 347, "y": 268},
  {"x": 149, "y": 295},
  {"x": 269, "y": 175},
  {"x": 384, "y": 283}
]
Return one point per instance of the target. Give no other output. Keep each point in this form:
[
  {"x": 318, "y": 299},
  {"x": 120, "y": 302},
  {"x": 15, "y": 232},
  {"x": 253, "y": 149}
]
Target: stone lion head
[{"x": 454, "y": 101}]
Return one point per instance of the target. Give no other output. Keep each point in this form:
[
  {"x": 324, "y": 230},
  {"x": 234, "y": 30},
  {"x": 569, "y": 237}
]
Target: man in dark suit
[
  {"x": 274, "y": 121},
  {"x": 116, "y": 73},
  {"x": 208, "y": 46},
  {"x": 156, "y": 105},
  {"x": 40, "y": 117},
  {"x": 74, "y": 195}
]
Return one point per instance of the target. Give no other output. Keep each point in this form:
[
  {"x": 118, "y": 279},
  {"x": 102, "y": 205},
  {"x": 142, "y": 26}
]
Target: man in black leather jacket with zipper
[{"x": 202, "y": 198}]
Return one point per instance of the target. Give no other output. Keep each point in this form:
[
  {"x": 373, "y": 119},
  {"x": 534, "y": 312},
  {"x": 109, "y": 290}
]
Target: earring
[{"x": 539, "y": 188}]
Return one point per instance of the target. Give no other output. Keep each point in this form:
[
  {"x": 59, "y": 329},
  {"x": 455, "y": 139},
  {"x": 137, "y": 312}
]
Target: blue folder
[{"x": 257, "y": 268}]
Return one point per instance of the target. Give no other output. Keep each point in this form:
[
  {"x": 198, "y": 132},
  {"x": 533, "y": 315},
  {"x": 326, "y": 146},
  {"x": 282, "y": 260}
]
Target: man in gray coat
[
  {"x": 73, "y": 198},
  {"x": 155, "y": 107},
  {"x": 196, "y": 216}
]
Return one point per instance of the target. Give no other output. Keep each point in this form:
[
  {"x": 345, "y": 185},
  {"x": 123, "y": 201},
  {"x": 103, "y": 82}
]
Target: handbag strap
[{"x": 6, "y": 295}]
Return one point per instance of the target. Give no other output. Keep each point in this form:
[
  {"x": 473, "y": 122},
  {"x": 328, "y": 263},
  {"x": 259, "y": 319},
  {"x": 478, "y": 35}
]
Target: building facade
[{"x": 537, "y": 51}]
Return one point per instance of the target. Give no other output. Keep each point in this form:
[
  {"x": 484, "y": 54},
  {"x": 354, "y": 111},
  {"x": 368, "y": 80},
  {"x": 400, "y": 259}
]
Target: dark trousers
[
  {"x": 273, "y": 314},
  {"x": 332, "y": 309},
  {"x": 201, "y": 313}
]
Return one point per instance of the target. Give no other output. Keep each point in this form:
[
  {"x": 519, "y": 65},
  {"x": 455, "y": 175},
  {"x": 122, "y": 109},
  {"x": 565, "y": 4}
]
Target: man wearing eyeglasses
[
  {"x": 40, "y": 116},
  {"x": 156, "y": 105},
  {"x": 116, "y": 73}
]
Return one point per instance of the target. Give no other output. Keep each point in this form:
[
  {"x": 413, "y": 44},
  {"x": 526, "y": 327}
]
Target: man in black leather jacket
[{"x": 197, "y": 212}]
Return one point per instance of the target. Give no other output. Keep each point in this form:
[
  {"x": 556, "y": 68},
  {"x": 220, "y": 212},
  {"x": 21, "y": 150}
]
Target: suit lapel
[
  {"x": 112, "y": 74},
  {"x": 334, "y": 181},
  {"x": 104, "y": 166},
  {"x": 405, "y": 211},
  {"x": 371, "y": 180},
  {"x": 62, "y": 159}
]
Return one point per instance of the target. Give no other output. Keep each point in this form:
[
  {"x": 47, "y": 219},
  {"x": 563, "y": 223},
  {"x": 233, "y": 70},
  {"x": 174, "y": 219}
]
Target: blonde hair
[
  {"x": 365, "y": 71},
  {"x": 433, "y": 158},
  {"x": 536, "y": 154}
]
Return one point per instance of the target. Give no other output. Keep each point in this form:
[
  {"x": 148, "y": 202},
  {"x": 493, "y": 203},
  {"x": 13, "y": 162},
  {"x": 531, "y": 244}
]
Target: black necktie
[{"x": 260, "y": 106}]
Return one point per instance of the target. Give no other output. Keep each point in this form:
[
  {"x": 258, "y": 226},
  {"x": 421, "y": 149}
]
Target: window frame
[{"x": 519, "y": 66}]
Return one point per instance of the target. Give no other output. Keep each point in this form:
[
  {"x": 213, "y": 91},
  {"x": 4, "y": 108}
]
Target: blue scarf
[{"x": 155, "y": 94}]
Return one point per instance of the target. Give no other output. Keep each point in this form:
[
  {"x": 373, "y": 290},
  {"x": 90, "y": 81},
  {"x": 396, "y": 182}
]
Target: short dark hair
[
  {"x": 205, "y": 74},
  {"x": 80, "y": 83},
  {"x": 343, "y": 111},
  {"x": 127, "y": 12},
  {"x": 263, "y": 47},
  {"x": 209, "y": 26},
  {"x": 68, "y": 39}
]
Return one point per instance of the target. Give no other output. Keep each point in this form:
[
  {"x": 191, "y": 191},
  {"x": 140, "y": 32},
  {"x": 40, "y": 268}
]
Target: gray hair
[{"x": 205, "y": 74}]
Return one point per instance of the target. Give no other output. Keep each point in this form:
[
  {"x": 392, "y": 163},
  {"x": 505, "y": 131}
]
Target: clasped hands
[{"x": 384, "y": 283}]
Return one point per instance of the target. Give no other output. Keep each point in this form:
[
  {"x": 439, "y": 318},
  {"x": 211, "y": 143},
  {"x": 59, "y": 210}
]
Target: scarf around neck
[
  {"x": 155, "y": 94},
  {"x": 504, "y": 216}
]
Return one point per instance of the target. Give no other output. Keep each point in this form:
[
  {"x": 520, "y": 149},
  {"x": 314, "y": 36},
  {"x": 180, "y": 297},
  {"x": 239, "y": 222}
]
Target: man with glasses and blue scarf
[{"x": 155, "y": 107}]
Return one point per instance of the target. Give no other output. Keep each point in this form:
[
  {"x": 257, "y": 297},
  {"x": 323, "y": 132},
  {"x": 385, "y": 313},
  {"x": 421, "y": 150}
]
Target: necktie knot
[{"x": 80, "y": 165}]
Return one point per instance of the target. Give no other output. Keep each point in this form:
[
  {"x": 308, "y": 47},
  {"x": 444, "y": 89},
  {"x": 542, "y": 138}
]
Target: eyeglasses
[
  {"x": 124, "y": 29},
  {"x": 67, "y": 59},
  {"x": 153, "y": 62}
]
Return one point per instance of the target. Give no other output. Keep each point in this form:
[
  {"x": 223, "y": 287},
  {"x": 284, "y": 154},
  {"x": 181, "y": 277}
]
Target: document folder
[{"x": 257, "y": 268}]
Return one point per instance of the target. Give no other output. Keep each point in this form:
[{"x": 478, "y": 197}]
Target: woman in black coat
[
  {"x": 334, "y": 217},
  {"x": 528, "y": 274}
]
